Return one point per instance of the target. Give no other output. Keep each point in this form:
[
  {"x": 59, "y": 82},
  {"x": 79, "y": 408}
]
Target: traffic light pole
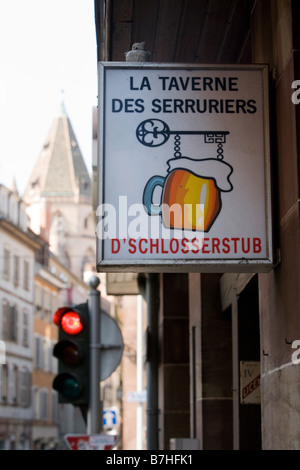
[{"x": 94, "y": 414}]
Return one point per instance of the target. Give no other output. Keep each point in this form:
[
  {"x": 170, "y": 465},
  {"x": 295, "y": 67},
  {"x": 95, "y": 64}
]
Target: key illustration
[{"x": 191, "y": 191}]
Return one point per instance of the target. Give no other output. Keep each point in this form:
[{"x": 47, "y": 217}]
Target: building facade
[
  {"x": 55, "y": 286},
  {"x": 34, "y": 283},
  {"x": 45, "y": 412},
  {"x": 18, "y": 248},
  {"x": 59, "y": 205},
  {"x": 58, "y": 198}
]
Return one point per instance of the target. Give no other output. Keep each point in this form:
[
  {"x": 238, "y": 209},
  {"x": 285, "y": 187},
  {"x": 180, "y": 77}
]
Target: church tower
[{"x": 59, "y": 198}]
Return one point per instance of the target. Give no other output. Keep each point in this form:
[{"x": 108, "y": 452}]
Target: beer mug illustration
[{"x": 191, "y": 193}]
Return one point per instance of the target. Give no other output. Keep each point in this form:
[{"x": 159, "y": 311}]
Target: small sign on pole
[
  {"x": 110, "y": 418},
  {"x": 136, "y": 397}
]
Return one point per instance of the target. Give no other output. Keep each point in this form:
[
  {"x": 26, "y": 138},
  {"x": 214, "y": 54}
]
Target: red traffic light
[
  {"x": 68, "y": 320},
  {"x": 58, "y": 315},
  {"x": 73, "y": 353},
  {"x": 71, "y": 323}
]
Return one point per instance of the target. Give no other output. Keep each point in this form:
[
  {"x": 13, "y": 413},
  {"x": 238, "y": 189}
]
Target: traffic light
[{"x": 72, "y": 352}]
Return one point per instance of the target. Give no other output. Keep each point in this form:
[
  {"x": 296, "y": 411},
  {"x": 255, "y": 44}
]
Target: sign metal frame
[{"x": 220, "y": 264}]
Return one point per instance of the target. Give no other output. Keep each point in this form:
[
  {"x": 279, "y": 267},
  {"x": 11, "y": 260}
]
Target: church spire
[
  {"x": 62, "y": 108},
  {"x": 13, "y": 186},
  {"x": 60, "y": 169}
]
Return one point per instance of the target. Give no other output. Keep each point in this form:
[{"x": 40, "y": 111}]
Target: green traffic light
[{"x": 70, "y": 388}]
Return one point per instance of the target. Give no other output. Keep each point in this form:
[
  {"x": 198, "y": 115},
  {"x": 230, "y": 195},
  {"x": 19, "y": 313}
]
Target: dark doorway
[{"x": 248, "y": 352}]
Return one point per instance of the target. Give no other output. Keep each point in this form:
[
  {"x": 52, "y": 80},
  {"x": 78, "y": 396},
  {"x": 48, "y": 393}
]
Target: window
[
  {"x": 54, "y": 407},
  {"x": 13, "y": 323},
  {"x": 6, "y": 264},
  {"x": 46, "y": 304},
  {"x": 51, "y": 306},
  {"x": 38, "y": 300},
  {"x": 5, "y": 319},
  {"x": 38, "y": 352},
  {"x": 24, "y": 387},
  {"x": 35, "y": 399},
  {"x": 44, "y": 405},
  {"x": 13, "y": 384},
  {"x": 10, "y": 321},
  {"x": 2, "y": 352},
  {"x": 46, "y": 349},
  {"x": 26, "y": 276},
  {"x": 42, "y": 352},
  {"x": 88, "y": 222},
  {"x": 3, "y": 382},
  {"x": 25, "y": 330},
  {"x": 16, "y": 270}
]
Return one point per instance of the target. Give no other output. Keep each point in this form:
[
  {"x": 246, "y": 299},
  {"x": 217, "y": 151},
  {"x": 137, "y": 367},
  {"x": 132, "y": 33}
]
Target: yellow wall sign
[{"x": 250, "y": 382}]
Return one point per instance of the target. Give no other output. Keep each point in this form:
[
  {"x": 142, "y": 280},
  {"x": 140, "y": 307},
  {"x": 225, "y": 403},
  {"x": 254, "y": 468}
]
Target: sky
[{"x": 47, "y": 53}]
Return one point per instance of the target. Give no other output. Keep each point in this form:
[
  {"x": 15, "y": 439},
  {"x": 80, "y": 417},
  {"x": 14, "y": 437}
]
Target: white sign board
[
  {"x": 183, "y": 168},
  {"x": 136, "y": 397}
]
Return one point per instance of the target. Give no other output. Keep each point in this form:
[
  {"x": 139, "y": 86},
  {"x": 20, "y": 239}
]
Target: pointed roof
[
  {"x": 13, "y": 186},
  {"x": 60, "y": 169}
]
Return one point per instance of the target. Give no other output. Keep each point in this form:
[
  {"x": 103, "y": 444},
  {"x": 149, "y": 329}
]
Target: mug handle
[{"x": 148, "y": 193}]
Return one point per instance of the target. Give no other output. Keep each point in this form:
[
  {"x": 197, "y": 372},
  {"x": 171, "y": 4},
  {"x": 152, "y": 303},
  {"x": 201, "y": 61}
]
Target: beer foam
[{"x": 219, "y": 170}]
